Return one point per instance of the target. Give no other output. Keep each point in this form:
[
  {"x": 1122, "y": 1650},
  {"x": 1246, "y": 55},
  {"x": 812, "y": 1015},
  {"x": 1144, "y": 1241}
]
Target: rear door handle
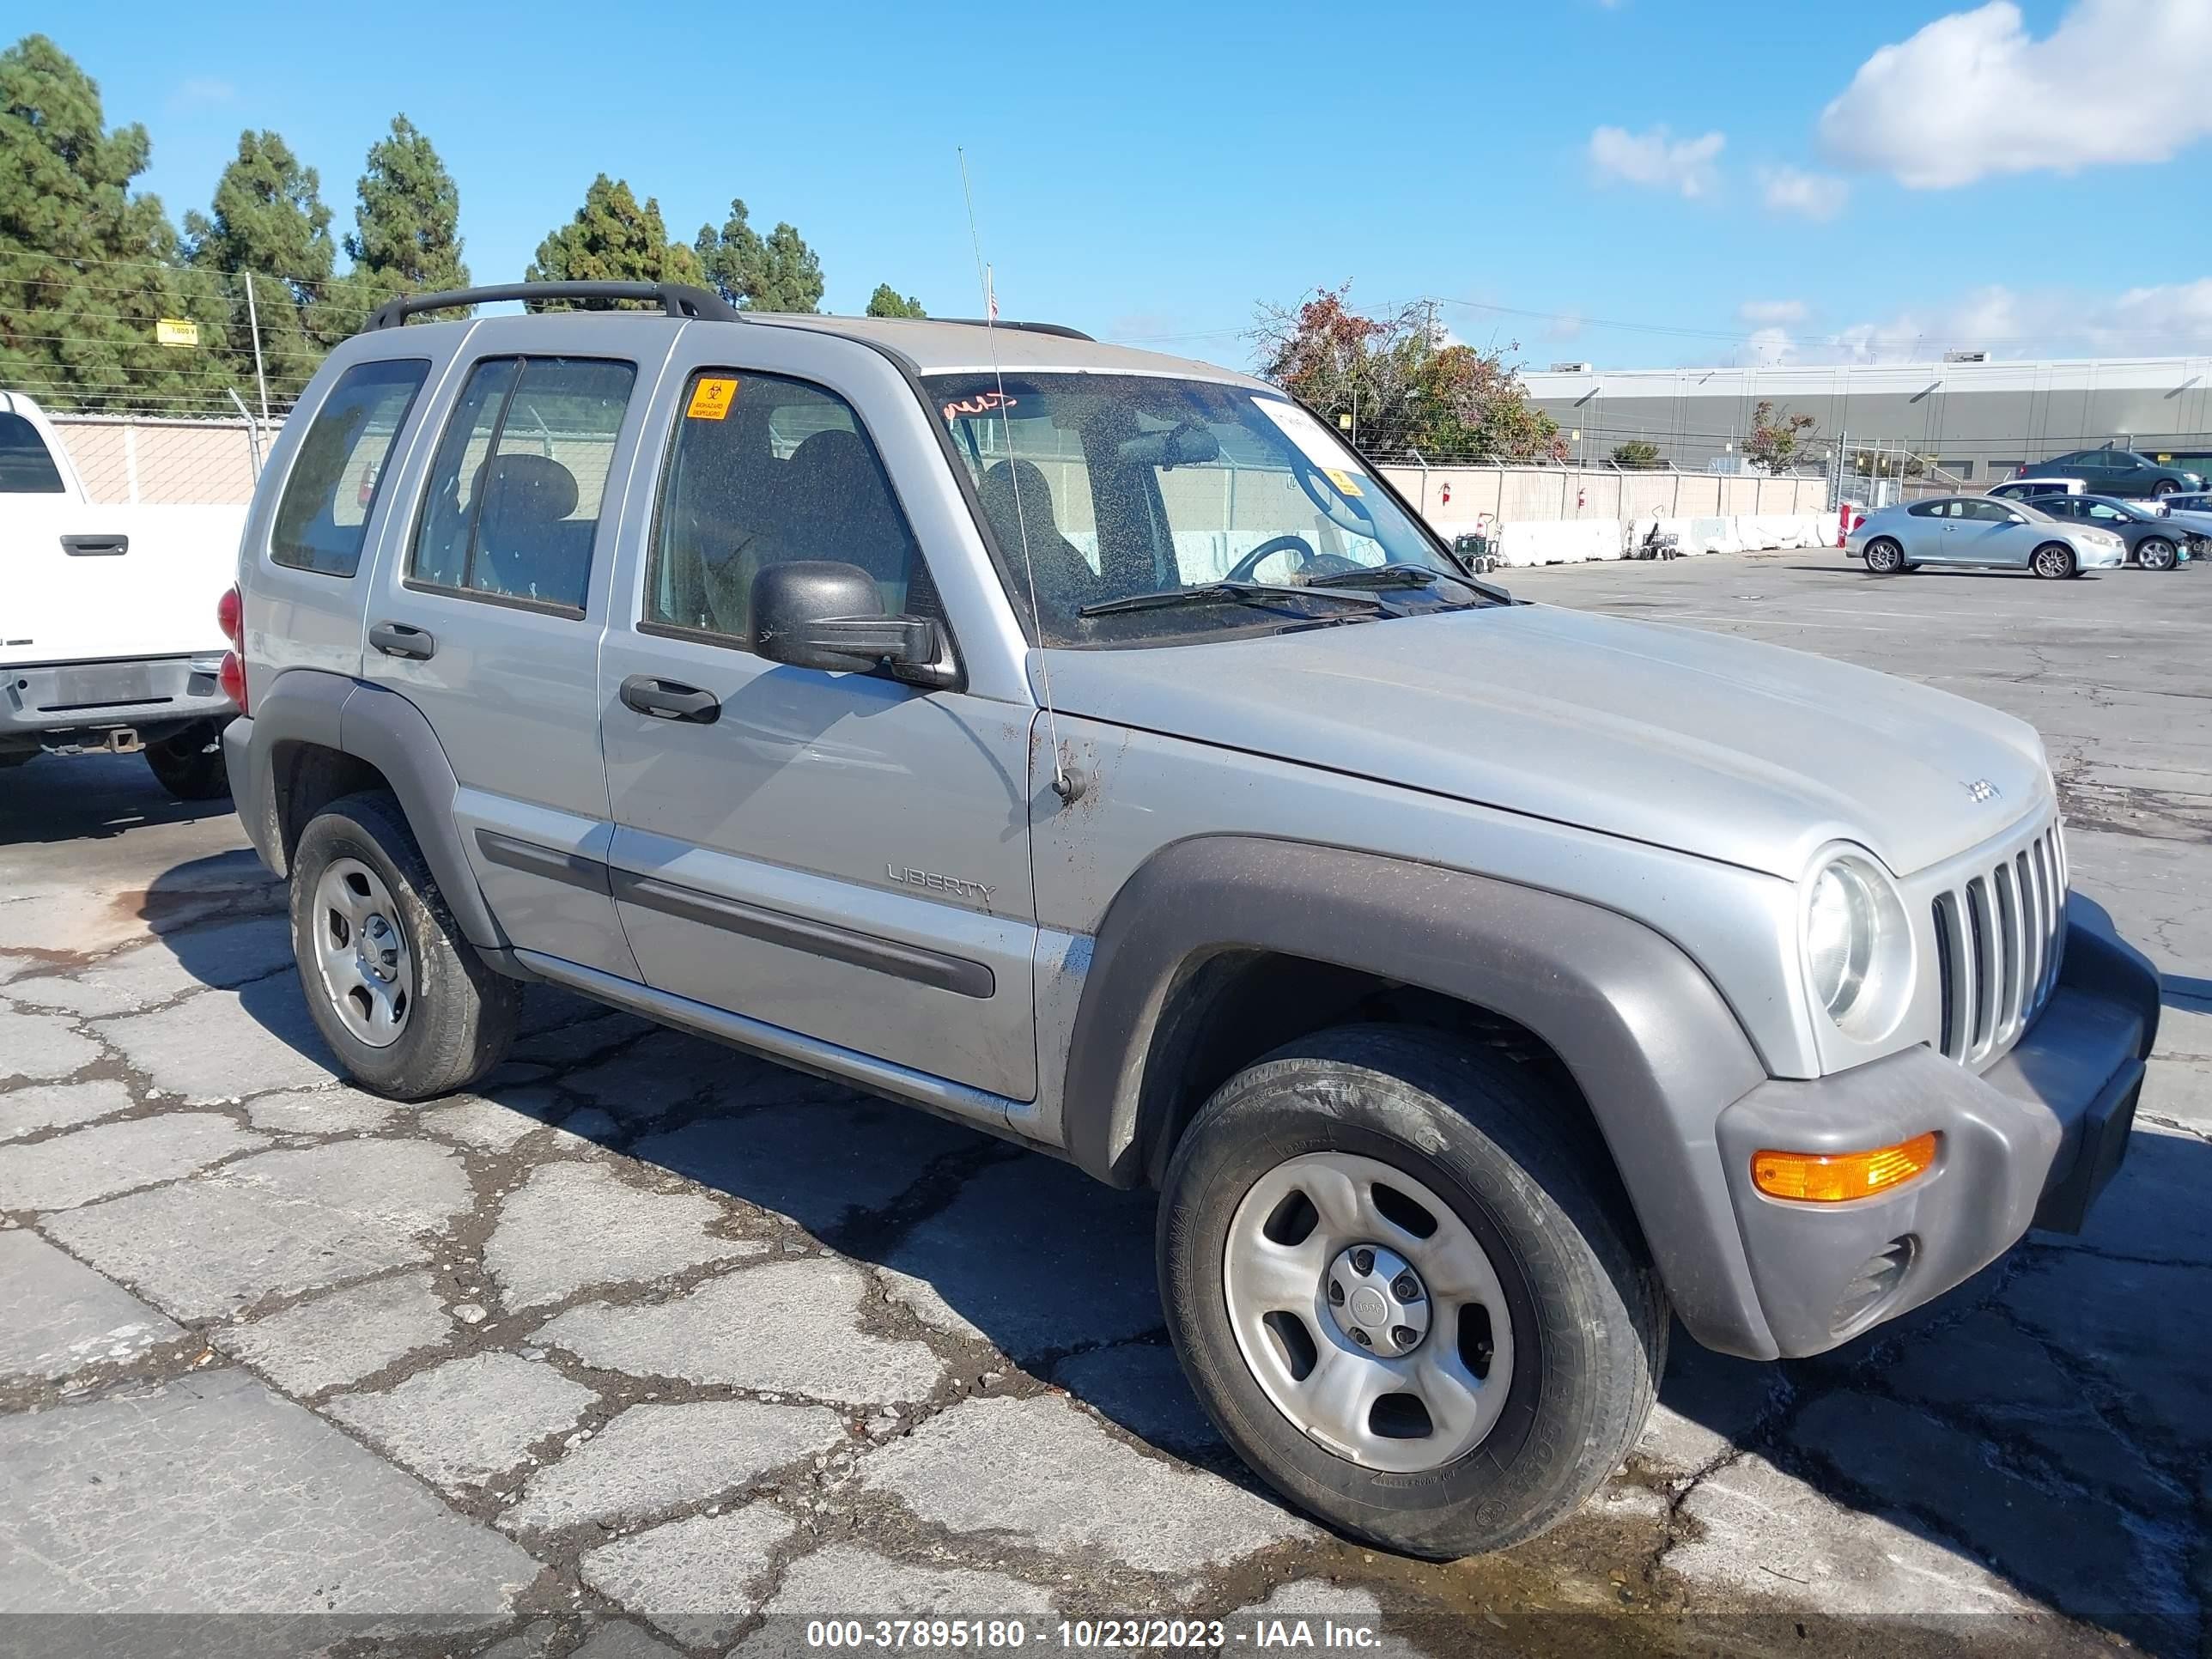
[
  {"x": 400, "y": 640},
  {"x": 671, "y": 700},
  {"x": 95, "y": 547}
]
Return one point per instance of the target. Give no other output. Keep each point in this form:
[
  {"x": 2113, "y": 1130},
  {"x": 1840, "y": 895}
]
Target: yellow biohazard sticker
[
  {"x": 711, "y": 397},
  {"x": 1344, "y": 481}
]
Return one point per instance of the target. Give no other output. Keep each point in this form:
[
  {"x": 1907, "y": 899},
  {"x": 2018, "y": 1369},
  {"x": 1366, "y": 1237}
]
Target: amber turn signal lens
[{"x": 1830, "y": 1178}]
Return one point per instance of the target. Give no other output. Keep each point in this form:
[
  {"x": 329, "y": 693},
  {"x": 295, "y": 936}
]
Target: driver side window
[{"x": 764, "y": 469}]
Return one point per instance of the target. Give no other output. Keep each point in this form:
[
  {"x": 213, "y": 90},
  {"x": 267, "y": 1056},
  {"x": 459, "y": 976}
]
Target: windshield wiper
[
  {"x": 1394, "y": 576},
  {"x": 1255, "y": 593}
]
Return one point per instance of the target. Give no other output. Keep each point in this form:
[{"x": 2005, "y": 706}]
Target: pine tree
[
  {"x": 270, "y": 227},
  {"x": 613, "y": 240},
  {"x": 777, "y": 273},
  {"x": 406, "y": 235},
  {"x": 886, "y": 301},
  {"x": 87, "y": 267}
]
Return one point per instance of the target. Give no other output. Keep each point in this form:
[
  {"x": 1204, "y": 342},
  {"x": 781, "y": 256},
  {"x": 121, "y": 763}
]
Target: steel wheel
[
  {"x": 365, "y": 970},
  {"x": 2054, "y": 561},
  {"x": 2155, "y": 553},
  {"x": 1368, "y": 1313}
]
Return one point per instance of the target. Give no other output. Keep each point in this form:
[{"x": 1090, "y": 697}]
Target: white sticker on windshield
[{"x": 1301, "y": 429}]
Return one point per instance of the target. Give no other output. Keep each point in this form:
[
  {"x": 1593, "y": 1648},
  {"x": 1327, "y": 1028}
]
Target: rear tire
[
  {"x": 2156, "y": 553},
  {"x": 189, "y": 763},
  {"x": 1884, "y": 557},
  {"x": 1536, "y": 1264},
  {"x": 2053, "y": 562},
  {"x": 406, "y": 1003}
]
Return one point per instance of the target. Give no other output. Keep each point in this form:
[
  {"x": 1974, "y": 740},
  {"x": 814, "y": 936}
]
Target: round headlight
[
  {"x": 1840, "y": 930},
  {"x": 1858, "y": 950}
]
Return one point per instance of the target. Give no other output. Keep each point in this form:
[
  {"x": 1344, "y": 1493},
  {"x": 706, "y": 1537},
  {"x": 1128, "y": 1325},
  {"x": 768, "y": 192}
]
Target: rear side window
[
  {"x": 323, "y": 516},
  {"x": 763, "y": 470},
  {"x": 520, "y": 480},
  {"x": 25, "y": 469}
]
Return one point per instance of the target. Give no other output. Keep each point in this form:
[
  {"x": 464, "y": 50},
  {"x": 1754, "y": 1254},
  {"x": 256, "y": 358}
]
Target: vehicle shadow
[
  {"x": 2064, "y": 1381},
  {"x": 59, "y": 798}
]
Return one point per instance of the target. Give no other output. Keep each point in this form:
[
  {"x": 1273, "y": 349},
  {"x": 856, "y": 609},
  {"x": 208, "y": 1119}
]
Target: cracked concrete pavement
[{"x": 646, "y": 1347}]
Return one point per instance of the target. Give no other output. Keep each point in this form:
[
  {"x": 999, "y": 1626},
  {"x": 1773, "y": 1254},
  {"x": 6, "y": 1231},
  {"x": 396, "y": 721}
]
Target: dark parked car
[
  {"x": 2110, "y": 471},
  {"x": 2155, "y": 542},
  {"x": 2034, "y": 489}
]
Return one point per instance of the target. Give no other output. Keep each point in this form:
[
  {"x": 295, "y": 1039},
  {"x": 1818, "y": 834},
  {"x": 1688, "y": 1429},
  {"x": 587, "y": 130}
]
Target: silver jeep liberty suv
[{"x": 1086, "y": 745}]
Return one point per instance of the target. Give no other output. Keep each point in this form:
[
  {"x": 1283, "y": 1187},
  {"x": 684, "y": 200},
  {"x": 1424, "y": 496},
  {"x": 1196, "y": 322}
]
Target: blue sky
[{"x": 1664, "y": 181}]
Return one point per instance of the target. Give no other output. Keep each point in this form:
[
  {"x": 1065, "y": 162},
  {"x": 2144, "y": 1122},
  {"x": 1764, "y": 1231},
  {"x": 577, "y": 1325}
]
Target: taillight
[{"x": 230, "y": 617}]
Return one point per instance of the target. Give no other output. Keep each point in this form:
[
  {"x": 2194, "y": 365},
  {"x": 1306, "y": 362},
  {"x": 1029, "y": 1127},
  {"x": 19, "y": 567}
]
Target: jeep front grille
[{"x": 1998, "y": 937}]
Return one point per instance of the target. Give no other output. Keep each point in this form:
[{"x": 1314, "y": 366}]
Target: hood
[{"x": 1705, "y": 742}]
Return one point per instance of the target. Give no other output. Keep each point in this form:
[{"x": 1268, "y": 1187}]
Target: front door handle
[
  {"x": 400, "y": 640},
  {"x": 95, "y": 547},
  {"x": 671, "y": 700}
]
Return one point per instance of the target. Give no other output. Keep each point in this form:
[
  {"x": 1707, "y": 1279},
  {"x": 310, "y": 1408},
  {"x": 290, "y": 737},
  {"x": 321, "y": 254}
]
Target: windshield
[{"x": 1122, "y": 485}]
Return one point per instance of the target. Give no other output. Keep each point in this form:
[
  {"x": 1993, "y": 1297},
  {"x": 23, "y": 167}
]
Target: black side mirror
[{"x": 812, "y": 613}]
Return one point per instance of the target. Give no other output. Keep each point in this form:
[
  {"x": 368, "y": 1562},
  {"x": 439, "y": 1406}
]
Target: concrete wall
[{"x": 1456, "y": 500}]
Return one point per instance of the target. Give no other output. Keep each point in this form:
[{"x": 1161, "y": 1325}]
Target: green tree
[
  {"x": 406, "y": 236},
  {"x": 613, "y": 240},
  {"x": 1636, "y": 452},
  {"x": 87, "y": 267},
  {"x": 1775, "y": 439},
  {"x": 778, "y": 272},
  {"x": 268, "y": 226},
  {"x": 886, "y": 301}
]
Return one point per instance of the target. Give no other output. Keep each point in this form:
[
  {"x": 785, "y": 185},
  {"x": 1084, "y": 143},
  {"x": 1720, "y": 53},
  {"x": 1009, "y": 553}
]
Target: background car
[
  {"x": 2032, "y": 490},
  {"x": 2110, "y": 471},
  {"x": 2156, "y": 539},
  {"x": 1975, "y": 531}
]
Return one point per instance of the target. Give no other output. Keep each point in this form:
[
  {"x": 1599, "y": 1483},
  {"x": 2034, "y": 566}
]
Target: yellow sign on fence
[{"x": 176, "y": 331}]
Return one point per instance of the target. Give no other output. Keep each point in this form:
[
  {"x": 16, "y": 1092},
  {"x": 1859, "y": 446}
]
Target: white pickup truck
[{"x": 109, "y": 641}]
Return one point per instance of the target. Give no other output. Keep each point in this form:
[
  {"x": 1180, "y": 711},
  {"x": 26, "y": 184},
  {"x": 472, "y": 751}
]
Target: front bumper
[
  {"x": 72, "y": 704},
  {"x": 2030, "y": 1142}
]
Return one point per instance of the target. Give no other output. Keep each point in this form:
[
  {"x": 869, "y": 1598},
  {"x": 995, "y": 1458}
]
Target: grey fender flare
[
  {"x": 332, "y": 711},
  {"x": 1650, "y": 1042}
]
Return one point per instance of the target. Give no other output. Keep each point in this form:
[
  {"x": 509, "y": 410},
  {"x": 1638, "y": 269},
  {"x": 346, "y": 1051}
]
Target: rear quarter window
[
  {"x": 25, "y": 468},
  {"x": 322, "y": 517}
]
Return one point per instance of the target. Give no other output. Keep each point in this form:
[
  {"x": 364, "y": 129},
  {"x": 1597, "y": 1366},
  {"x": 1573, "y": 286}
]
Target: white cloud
[
  {"x": 1769, "y": 346},
  {"x": 1567, "y": 325},
  {"x": 1974, "y": 94},
  {"x": 2173, "y": 318},
  {"x": 1656, "y": 159},
  {"x": 1814, "y": 195},
  {"x": 1765, "y": 312}
]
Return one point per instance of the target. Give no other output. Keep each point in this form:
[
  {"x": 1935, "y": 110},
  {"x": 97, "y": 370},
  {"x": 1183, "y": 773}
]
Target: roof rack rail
[
  {"x": 678, "y": 300},
  {"x": 1060, "y": 329}
]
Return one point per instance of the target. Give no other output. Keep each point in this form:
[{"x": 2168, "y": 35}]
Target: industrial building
[{"x": 1970, "y": 418}]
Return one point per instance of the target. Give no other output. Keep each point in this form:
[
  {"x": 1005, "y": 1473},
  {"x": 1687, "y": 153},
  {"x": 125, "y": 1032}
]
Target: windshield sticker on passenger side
[
  {"x": 1309, "y": 434},
  {"x": 711, "y": 397},
  {"x": 1344, "y": 481}
]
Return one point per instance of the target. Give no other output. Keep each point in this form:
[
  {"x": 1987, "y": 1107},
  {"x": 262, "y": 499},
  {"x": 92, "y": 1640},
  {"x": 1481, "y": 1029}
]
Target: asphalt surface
[{"x": 649, "y": 1346}]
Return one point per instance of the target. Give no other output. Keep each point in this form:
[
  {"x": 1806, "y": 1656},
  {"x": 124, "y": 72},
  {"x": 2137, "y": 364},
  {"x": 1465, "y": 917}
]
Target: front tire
[
  {"x": 2156, "y": 553},
  {"x": 1328, "y": 1195},
  {"x": 2053, "y": 562},
  {"x": 189, "y": 763},
  {"x": 1884, "y": 557},
  {"x": 406, "y": 1003}
]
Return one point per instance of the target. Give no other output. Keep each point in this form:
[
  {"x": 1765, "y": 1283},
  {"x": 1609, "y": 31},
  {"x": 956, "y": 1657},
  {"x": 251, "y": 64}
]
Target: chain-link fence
[{"x": 137, "y": 458}]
